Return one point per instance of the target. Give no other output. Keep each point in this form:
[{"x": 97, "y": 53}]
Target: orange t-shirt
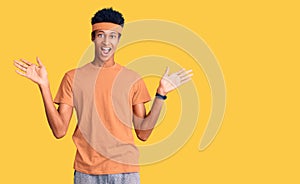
[{"x": 103, "y": 99}]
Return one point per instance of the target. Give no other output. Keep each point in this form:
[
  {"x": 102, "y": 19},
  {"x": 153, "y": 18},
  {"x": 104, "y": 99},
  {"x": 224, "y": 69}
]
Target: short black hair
[{"x": 108, "y": 15}]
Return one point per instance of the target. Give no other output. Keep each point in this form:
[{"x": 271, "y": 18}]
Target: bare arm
[
  {"x": 58, "y": 119},
  {"x": 144, "y": 123}
]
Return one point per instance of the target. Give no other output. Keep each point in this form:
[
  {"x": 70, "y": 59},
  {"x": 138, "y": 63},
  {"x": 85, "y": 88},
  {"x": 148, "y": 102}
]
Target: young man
[{"x": 108, "y": 99}]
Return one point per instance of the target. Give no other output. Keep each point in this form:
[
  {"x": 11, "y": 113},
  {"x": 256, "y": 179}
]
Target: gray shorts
[{"x": 123, "y": 178}]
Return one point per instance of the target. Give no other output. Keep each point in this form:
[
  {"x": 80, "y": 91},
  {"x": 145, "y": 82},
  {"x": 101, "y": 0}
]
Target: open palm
[
  {"x": 170, "y": 82},
  {"x": 36, "y": 73}
]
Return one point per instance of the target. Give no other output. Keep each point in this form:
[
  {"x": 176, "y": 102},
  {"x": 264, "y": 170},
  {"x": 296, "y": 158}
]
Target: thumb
[
  {"x": 166, "y": 72},
  {"x": 39, "y": 62}
]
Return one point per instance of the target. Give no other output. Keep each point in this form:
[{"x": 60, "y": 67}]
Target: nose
[{"x": 105, "y": 40}]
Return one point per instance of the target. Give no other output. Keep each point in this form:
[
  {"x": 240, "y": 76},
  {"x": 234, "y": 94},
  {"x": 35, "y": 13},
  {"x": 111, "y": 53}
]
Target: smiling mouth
[{"x": 105, "y": 50}]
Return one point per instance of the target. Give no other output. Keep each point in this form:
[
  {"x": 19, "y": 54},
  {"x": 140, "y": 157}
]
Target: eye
[
  {"x": 113, "y": 36},
  {"x": 100, "y": 35}
]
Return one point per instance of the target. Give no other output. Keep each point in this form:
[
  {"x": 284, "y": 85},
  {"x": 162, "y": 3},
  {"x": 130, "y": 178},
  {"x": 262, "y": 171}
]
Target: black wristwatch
[{"x": 160, "y": 96}]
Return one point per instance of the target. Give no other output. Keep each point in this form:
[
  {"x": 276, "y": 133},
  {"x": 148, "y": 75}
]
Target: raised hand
[
  {"x": 170, "y": 82},
  {"x": 36, "y": 73}
]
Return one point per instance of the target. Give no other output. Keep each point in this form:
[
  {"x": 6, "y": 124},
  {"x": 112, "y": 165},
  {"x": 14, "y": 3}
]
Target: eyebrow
[{"x": 99, "y": 31}]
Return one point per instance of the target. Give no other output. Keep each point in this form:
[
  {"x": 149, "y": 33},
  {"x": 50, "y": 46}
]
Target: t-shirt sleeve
[
  {"x": 65, "y": 92},
  {"x": 141, "y": 94}
]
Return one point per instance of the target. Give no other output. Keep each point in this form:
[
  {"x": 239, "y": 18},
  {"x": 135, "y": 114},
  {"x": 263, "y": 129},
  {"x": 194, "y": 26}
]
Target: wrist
[
  {"x": 161, "y": 91},
  {"x": 163, "y": 97},
  {"x": 44, "y": 85}
]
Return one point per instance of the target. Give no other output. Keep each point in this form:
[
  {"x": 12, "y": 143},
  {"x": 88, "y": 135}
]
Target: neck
[{"x": 100, "y": 63}]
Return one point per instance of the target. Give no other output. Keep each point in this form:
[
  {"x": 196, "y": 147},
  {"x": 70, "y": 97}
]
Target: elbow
[
  {"x": 59, "y": 135},
  {"x": 144, "y": 139},
  {"x": 142, "y": 136}
]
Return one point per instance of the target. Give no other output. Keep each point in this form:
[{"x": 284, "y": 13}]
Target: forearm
[
  {"x": 144, "y": 126},
  {"x": 143, "y": 123},
  {"x": 54, "y": 119}
]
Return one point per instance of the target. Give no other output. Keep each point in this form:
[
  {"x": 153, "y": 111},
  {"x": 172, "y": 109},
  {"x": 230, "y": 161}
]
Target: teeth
[{"x": 106, "y": 48}]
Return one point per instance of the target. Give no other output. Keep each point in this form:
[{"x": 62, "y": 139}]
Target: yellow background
[{"x": 257, "y": 46}]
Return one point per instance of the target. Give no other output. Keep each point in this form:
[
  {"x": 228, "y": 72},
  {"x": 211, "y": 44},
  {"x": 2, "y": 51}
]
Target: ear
[{"x": 93, "y": 36}]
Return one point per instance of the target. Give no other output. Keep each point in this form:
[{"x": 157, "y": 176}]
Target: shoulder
[
  {"x": 130, "y": 73},
  {"x": 133, "y": 78},
  {"x": 127, "y": 77},
  {"x": 71, "y": 73}
]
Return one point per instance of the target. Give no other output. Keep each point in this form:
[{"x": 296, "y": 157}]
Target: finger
[
  {"x": 185, "y": 73},
  {"x": 21, "y": 73},
  {"x": 185, "y": 81},
  {"x": 186, "y": 77},
  {"x": 167, "y": 71},
  {"x": 189, "y": 71},
  {"x": 180, "y": 71},
  {"x": 39, "y": 62},
  {"x": 20, "y": 66},
  {"x": 21, "y": 63},
  {"x": 27, "y": 62}
]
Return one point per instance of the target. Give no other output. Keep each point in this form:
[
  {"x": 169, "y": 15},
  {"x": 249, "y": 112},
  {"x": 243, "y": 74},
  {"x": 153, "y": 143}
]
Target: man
[{"x": 108, "y": 99}]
